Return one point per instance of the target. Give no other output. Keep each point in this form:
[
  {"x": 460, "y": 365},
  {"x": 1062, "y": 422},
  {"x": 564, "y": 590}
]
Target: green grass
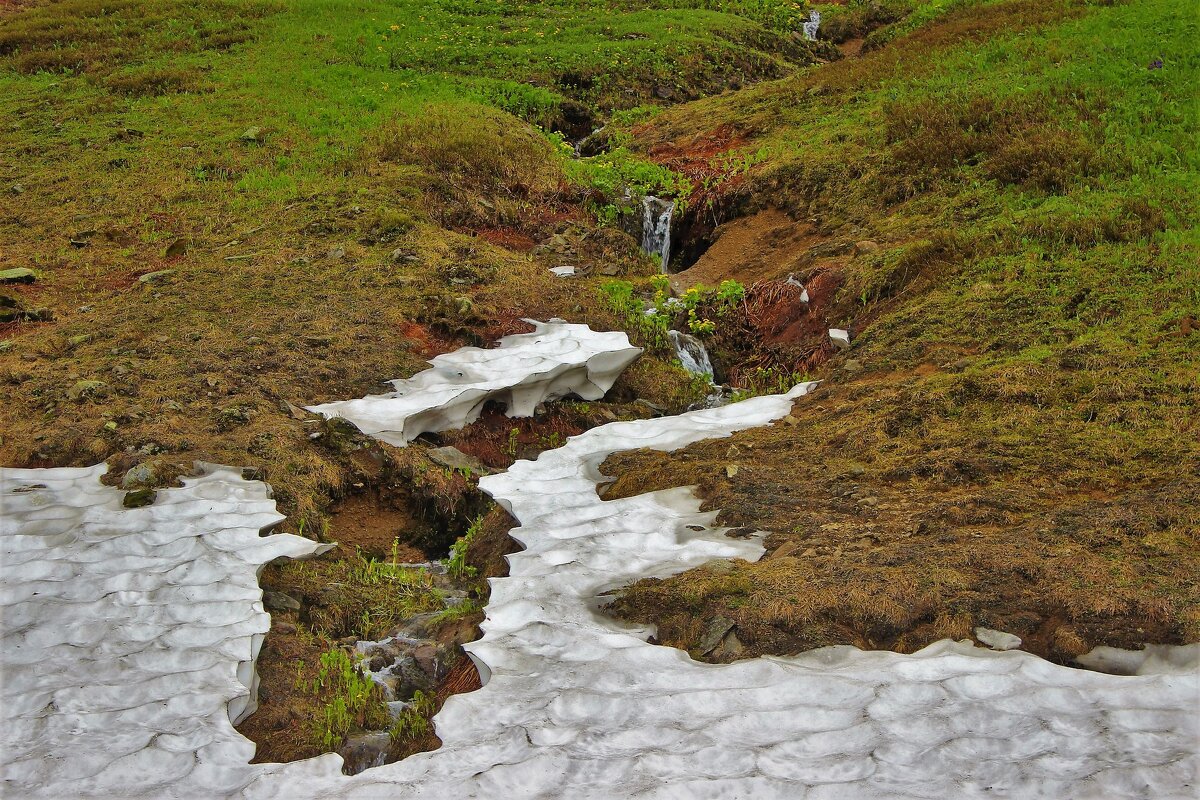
[{"x": 1026, "y": 329}]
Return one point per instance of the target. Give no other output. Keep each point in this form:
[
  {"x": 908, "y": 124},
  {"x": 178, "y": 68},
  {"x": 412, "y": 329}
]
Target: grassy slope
[
  {"x": 384, "y": 212},
  {"x": 1019, "y": 449},
  {"x": 125, "y": 121}
]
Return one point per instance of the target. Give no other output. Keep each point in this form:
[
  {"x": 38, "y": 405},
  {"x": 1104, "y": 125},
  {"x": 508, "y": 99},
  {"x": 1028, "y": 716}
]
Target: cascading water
[
  {"x": 691, "y": 353},
  {"x": 656, "y": 227}
]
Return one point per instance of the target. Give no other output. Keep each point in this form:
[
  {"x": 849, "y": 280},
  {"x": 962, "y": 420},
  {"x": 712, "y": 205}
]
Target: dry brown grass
[{"x": 932, "y": 532}]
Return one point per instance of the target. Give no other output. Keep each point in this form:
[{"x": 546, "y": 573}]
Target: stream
[{"x": 130, "y": 637}]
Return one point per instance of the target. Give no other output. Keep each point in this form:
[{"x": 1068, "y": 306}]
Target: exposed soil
[
  {"x": 851, "y": 48},
  {"x": 763, "y": 246},
  {"x": 374, "y": 525}
]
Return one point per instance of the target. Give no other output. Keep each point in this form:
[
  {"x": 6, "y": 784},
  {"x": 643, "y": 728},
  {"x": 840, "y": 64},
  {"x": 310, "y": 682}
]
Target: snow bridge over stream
[{"x": 129, "y": 639}]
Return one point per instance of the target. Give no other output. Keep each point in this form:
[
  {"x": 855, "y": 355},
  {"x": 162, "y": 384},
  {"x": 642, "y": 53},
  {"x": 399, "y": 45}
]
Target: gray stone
[
  {"x": 139, "y": 498},
  {"x": 363, "y": 751},
  {"x": 143, "y": 474},
  {"x": 714, "y": 634},
  {"x": 865, "y": 246},
  {"x": 85, "y": 389},
  {"x": 17, "y": 275},
  {"x": 280, "y": 601},
  {"x": 730, "y": 647},
  {"x": 252, "y": 134},
  {"x": 156, "y": 277}
]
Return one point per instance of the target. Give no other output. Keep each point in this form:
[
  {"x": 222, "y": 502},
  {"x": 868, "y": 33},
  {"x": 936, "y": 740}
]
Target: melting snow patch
[
  {"x": 127, "y": 635},
  {"x": 523, "y": 370},
  {"x": 997, "y": 640}
]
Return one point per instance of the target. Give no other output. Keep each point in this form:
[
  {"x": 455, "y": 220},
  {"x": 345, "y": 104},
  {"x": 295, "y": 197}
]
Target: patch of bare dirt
[
  {"x": 764, "y": 246},
  {"x": 373, "y": 525}
]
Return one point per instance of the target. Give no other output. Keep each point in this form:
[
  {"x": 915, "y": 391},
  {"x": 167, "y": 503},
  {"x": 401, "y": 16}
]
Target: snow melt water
[
  {"x": 127, "y": 635},
  {"x": 656, "y": 228},
  {"x": 692, "y": 353}
]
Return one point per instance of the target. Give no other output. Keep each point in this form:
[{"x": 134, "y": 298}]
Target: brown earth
[{"x": 897, "y": 550}]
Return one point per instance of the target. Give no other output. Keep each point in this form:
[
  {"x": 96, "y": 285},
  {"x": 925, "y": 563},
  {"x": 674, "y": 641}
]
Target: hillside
[{"x": 220, "y": 213}]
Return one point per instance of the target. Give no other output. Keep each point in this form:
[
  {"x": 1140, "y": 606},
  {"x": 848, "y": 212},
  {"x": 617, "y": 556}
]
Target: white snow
[
  {"x": 840, "y": 338},
  {"x": 124, "y": 632},
  {"x": 997, "y": 640},
  {"x": 523, "y": 370}
]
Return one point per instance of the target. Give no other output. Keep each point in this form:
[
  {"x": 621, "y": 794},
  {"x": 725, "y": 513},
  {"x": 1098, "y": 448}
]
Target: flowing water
[
  {"x": 656, "y": 228},
  {"x": 691, "y": 353}
]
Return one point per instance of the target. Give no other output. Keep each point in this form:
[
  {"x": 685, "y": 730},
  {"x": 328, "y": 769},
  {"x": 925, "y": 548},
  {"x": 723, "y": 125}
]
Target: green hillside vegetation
[{"x": 233, "y": 209}]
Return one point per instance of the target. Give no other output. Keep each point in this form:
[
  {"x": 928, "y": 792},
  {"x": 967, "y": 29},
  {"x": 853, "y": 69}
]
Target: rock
[
  {"x": 731, "y": 470},
  {"x": 285, "y": 628},
  {"x": 453, "y": 458},
  {"x": 280, "y": 601},
  {"x": 609, "y": 270},
  {"x": 741, "y": 533},
  {"x": 791, "y": 421},
  {"x": 85, "y": 389},
  {"x": 17, "y": 275},
  {"x": 363, "y": 751},
  {"x": 82, "y": 239},
  {"x": 336, "y": 253},
  {"x": 160, "y": 276},
  {"x": 730, "y": 647},
  {"x": 852, "y": 366},
  {"x": 865, "y": 246},
  {"x": 75, "y": 341},
  {"x": 788, "y": 549},
  {"x": 318, "y": 341},
  {"x": 997, "y": 640},
  {"x": 110, "y": 426},
  {"x": 840, "y": 338},
  {"x": 143, "y": 474},
  {"x": 714, "y": 634},
  {"x": 252, "y": 134},
  {"x": 664, "y": 92},
  {"x": 177, "y": 248},
  {"x": 293, "y": 411},
  {"x": 869, "y": 501},
  {"x": 139, "y": 498}
]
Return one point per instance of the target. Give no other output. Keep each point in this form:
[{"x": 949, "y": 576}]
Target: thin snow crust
[
  {"x": 127, "y": 635},
  {"x": 556, "y": 359}
]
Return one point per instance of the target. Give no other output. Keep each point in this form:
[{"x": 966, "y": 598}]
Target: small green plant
[
  {"x": 413, "y": 721},
  {"x": 353, "y": 699},
  {"x": 513, "y": 442},
  {"x": 456, "y": 564},
  {"x": 458, "y": 611}
]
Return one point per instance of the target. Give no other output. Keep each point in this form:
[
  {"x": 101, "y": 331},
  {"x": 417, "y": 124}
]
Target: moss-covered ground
[{"x": 233, "y": 209}]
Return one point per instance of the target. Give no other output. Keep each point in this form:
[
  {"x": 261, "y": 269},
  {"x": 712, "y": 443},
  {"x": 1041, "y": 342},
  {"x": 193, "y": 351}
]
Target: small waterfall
[
  {"x": 656, "y": 227},
  {"x": 692, "y": 353}
]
